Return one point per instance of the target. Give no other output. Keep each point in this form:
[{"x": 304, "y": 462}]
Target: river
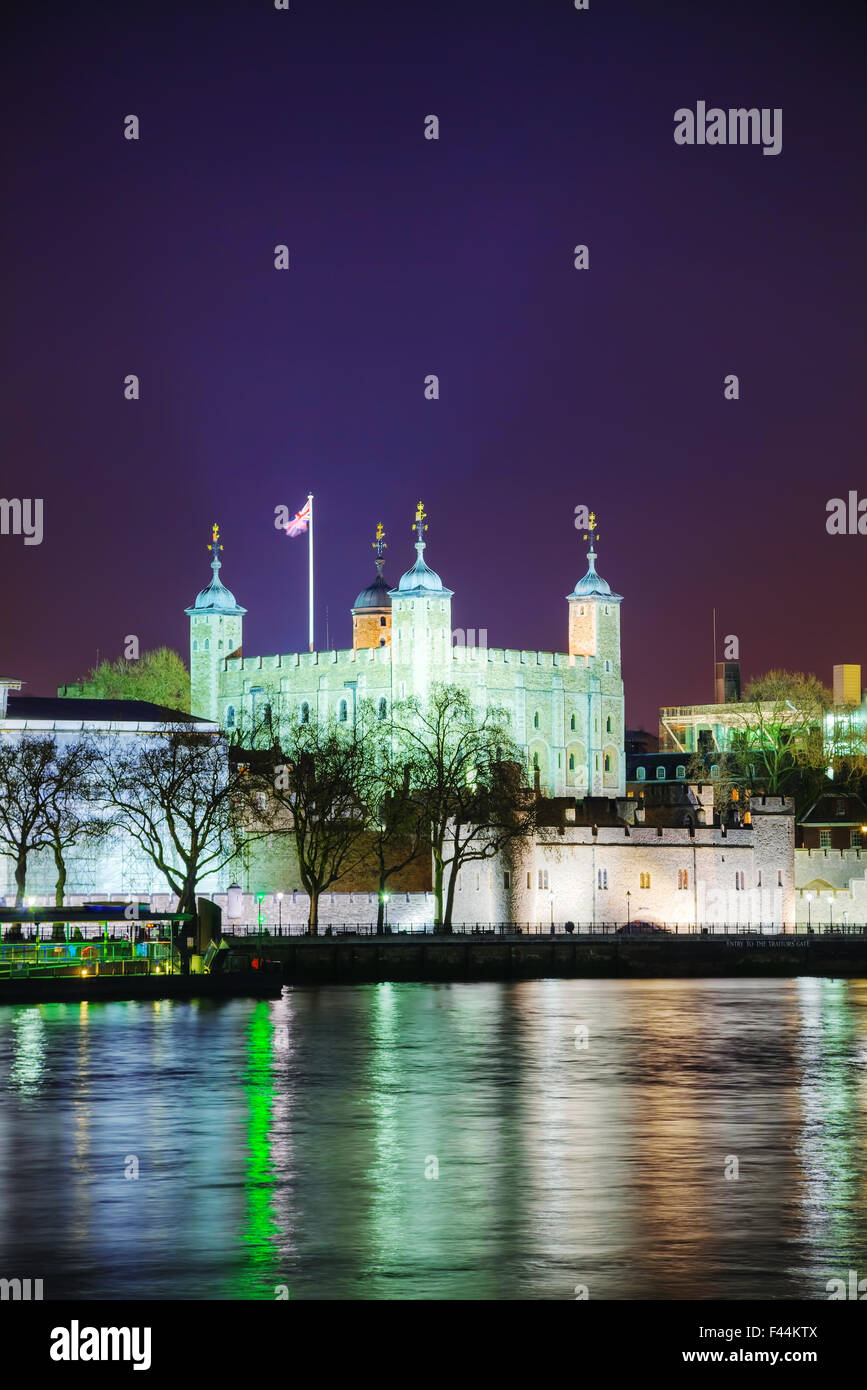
[{"x": 653, "y": 1139}]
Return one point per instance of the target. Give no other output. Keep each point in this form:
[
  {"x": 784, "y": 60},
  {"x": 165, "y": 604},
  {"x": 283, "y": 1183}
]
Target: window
[
  {"x": 714, "y": 769},
  {"x": 608, "y": 725},
  {"x": 305, "y": 713},
  {"x": 680, "y": 772},
  {"x": 230, "y": 717},
  {"x": 543, "y": 878},
  {"x": 343, "y": 714},
  {"x": 607, "y": 762},
  {"x": 572, "y": 723},
  {"x": 581, "y": 610},
  {"x": 660, "y": 774},
  {"x": 536, "y": 720},
  {"x": 824, "y": 839},
  {"x": 382, "y": 708},
  {"x": 682, "y": 878},
  {"x": 601, "y": 878},
  {"x": 220, "y": 644},
  {"x": 571, "y": 762},
  {"x": 608, "y": 610},
  {"x": 640, "y": 774},
  {"x": 854, "y": 839},
  {"x": 507, "y": 879},
  {"x": 739, "y": 881},
  {"x": 207, "y": 644},
  {"x": 382, "y": 622},
  {"x": 644, "y": 880},
  {"x": 196, "y": 645},
  {"x": 607, "y": 667}
]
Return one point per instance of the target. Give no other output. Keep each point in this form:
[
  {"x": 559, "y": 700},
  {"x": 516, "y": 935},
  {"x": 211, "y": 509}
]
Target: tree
[
  {"x": 26, "y": 772},
  {"x": 184, "y": 801},
  {"x": 323, "y": 785},
  {"x": 730, "y": 774},
  {"x": 396, "y": 819},
  {"x": 159, "y": 676},
  {"x": 780, "y": 735},
  {"x": 466, "y": 770},
  {"x": 71, "y": 817}
]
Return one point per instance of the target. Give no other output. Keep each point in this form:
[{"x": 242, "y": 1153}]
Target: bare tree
[
  {"x": 323, "y": 785},
  {"x": 466, "y": 770},
  {"x": 26, "y": 776},
  {"x": 188, "y": 805}
]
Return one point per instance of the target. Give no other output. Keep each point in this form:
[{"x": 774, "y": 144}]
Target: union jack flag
[{"x": 298, "y": 525}]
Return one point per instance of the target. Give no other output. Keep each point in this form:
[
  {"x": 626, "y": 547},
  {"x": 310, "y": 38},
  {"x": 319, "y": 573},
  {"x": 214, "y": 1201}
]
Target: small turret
[
  {"x": 371, "y": 612},
  {"x": 215, "y": 633}
]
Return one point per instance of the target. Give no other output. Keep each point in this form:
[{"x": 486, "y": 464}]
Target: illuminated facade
[{"x": 565, "y": 708}]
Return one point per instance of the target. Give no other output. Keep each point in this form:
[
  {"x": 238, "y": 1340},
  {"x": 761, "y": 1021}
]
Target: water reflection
[{"x": 449, "y": 1141}]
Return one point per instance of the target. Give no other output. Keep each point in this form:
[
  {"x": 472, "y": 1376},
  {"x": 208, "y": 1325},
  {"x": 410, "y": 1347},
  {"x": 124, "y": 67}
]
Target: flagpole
[{"x": 310, "y": 570}]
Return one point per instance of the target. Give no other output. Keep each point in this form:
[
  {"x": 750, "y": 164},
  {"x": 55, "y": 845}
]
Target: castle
[{"x": 566, "y": 708}]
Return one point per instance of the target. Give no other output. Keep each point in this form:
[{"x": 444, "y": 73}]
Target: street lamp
[
  {"x": 551, "y": 898},
  {"x": 809, "y": 897},
  {"x": 385, "y": 897},
  {"x": 260, "y": 898}
]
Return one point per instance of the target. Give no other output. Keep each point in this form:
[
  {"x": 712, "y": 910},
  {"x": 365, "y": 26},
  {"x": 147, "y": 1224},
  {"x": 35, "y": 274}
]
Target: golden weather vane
[
  {"x": 215, "y": 535},
  {"x": 591, "y": 528},
  {"x": 420, "y": 523},
  {"x": 379, "y": 545}
]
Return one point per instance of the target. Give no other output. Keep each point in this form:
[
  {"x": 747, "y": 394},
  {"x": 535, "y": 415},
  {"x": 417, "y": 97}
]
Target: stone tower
[
  {"x": 215, "y": 633},
  {"x": 594, "y": 640},
  {"x": 371, "y": 612},
  {"x": 421, "y": 609}
]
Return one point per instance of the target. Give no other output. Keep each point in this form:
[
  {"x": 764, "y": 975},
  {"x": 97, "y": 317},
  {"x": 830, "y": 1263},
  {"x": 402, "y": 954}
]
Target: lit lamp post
[
  {"x": 385, "y": 897},
  {"x": 260, "y": 898},
  {"x": 809, "y": 897}
]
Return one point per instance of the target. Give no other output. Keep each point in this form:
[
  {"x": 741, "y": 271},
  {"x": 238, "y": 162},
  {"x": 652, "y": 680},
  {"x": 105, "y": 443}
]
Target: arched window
[
  {"x": 382, "y": 708},
  {"x": 607, "y": 667},
  {"x": 196, "y": 645},
  {"x": 571, "y": 762},
  {"x": 230, "y": 717},
  {"x": 639, "y": 774},
  {"x": 220, "y": 644},
  {"x": 608, "y": 725},
  {"x": 382, "y": 622},
  {"x": 660, "y": 774},
  {"x": 680, "y": 771},
  {"x": 644, "y": 881},
  {"x": 714, "y": 771},
  {"x": 344, "y": 712},
  {"x": 536, "y": 720},
  {"x": 207, "y": 644},
  {"x": 607, "y": 762},
  {"x": 572, "y": 723},
  {"x": 305, "y": 713}
]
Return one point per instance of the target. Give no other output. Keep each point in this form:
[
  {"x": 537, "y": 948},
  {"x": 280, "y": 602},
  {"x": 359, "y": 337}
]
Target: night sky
[{"x": 408, "y": 257}]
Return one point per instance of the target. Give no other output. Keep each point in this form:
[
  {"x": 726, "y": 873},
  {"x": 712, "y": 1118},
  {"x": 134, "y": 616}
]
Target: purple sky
[{"x": 454, "y": 257}]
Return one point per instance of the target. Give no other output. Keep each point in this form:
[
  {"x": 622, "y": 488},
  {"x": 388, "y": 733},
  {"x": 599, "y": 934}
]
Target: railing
[{"x": 275, "y": 934}]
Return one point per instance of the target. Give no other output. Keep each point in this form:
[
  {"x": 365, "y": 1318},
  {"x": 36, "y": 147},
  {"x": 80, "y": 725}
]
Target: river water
[{"x": 649, "y": 1139}]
